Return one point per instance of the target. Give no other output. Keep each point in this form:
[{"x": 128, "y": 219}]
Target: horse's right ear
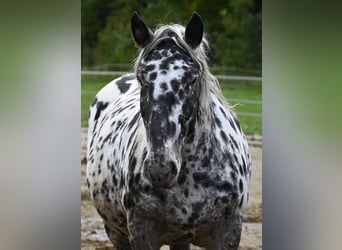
[
  {"x": 142, "y": 35},
  {"x": 194, "y": 30}
]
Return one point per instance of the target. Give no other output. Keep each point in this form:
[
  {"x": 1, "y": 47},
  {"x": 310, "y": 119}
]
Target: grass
[
  {"x": 89, "y": 88},
  {"x": 248, "y": 91},
  {"x": 231, "y": 89}
]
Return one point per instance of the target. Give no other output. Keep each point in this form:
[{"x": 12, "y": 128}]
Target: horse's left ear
[
  {"x": 142, "y": 35},
  {"x": 194, "y": 30}
]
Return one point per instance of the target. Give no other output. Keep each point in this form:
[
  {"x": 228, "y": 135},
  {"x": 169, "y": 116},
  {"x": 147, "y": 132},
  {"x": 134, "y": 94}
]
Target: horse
[{"x": 167, "y": 160}]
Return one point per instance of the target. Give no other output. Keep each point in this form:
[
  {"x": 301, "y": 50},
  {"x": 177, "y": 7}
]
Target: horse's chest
[
  {"x": 188, "y": 205},
  {"x": 179, "y": 210}
]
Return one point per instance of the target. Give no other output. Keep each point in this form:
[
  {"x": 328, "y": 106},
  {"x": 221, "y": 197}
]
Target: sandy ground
[{"x": 93, "y": 236}]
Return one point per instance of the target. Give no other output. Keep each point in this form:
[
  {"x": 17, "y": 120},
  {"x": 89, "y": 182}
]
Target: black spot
[
  {"x": 104, "y": 186},
  {"x": 164, "y": 53},
  {"x": 241, "y": 186},
  {"x": 184, "y": 211},
  {"x": 118, "y": 126},
  {"x": 150, "y": 67},
  {"x": 181, "y": 119},
  {"x": 115, "y": 181},
  {"x": 123, "y": 85},
  {"x": 186, "y": 193},
  {"x": 205, "y": 162},
  {"x": 191, "y": 131},
  {"x": 203, "y": 179},
  {"x": 232, "y": 124},
  {"x": 233, "y": 176},
  {"x": 173, "y": 168},
  {"x": 193, "y": 217},
  {"x": 228, "y": 211},
  {"x": 95, "y": 192},
  {"x": 133, "y": 163},
  {"x": 223, "y": 112},
  {"x": 224, "y": 199},
  {"x": 237, "y": 123},
  {"x": 107, "y": 137},
  {"x": 163, "y": 86},
  {"x": 217, "y": 121},
  {"x": 134, "y": 121},
  {"x": 181, "y": 178},
  {"x": 159, "y": 194},
  {"x": 225, "y": 186},
  {"x": 122, "y": 181},
  {"x": 244, "y": 166},
  {"x": 128, "y": 202},
  {"x": 175, "y": 85},
  {"x": 165, "y": 64},
  {"x": 186, "y": 227},
  {"x": 224, "y": 136},
  {"x": 153, "y": 76},
  {"x": 167, "y": 99},
  {"x": 241, "y": 169},
  {"x": 144, "y": 154},
  {"x": 94, "y": 102},
  {"x": 155, "y": 55},
  {"x": 137, "y": 178},
  {"x": 130, "y": 182},
  {"x": 131, "y": 140},
  {"x": 171, "y": 129},
  {"x": 99, "y": 107},
  {"x": 241, "y": 202},
  {"x": 146, "y": 189},
  {"x": 181, "y": 94},
  {"x": 234, "y": 142},
  {"x": 172, "y": 211},
  {"x": 187, "y": 108}
]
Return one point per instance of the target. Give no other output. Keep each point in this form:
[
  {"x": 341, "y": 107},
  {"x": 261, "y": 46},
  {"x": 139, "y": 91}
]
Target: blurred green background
[{"x": 233, "y": 29}]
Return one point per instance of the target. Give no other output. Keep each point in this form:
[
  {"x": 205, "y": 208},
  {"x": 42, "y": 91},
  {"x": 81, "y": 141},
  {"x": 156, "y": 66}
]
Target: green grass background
[{"x": 231, "y": 89}]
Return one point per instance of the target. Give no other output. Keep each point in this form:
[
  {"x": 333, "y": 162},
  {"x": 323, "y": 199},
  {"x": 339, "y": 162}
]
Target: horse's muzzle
[{"x": 161, "y": 173}]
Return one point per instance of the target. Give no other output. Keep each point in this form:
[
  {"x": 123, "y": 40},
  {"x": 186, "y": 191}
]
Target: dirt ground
[{"x": 93, "y": 236}]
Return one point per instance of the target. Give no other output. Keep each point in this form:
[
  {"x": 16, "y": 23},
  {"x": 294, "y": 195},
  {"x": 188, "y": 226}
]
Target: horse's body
[{"x": 167, "y": 160}]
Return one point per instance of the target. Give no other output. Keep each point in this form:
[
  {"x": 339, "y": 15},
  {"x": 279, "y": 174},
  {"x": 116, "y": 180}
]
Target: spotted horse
[{"x": 168, "y": 162}]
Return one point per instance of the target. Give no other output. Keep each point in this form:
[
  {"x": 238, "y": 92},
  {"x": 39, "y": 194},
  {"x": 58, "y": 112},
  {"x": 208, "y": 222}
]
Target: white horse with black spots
[{"x": 167, "y": 160}]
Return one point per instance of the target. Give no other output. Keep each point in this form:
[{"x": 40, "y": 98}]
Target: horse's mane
[{"x": 207, "y": 81}]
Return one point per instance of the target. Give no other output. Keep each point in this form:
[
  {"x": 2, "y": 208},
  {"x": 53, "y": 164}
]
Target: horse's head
[{"x": 170, "y": 89}]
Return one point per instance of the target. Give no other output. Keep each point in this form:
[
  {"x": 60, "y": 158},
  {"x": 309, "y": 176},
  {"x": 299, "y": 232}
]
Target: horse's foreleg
[{"x": 144, "y": 234}]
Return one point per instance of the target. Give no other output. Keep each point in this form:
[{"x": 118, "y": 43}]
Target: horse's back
[{"x": 106, "y": 96}]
